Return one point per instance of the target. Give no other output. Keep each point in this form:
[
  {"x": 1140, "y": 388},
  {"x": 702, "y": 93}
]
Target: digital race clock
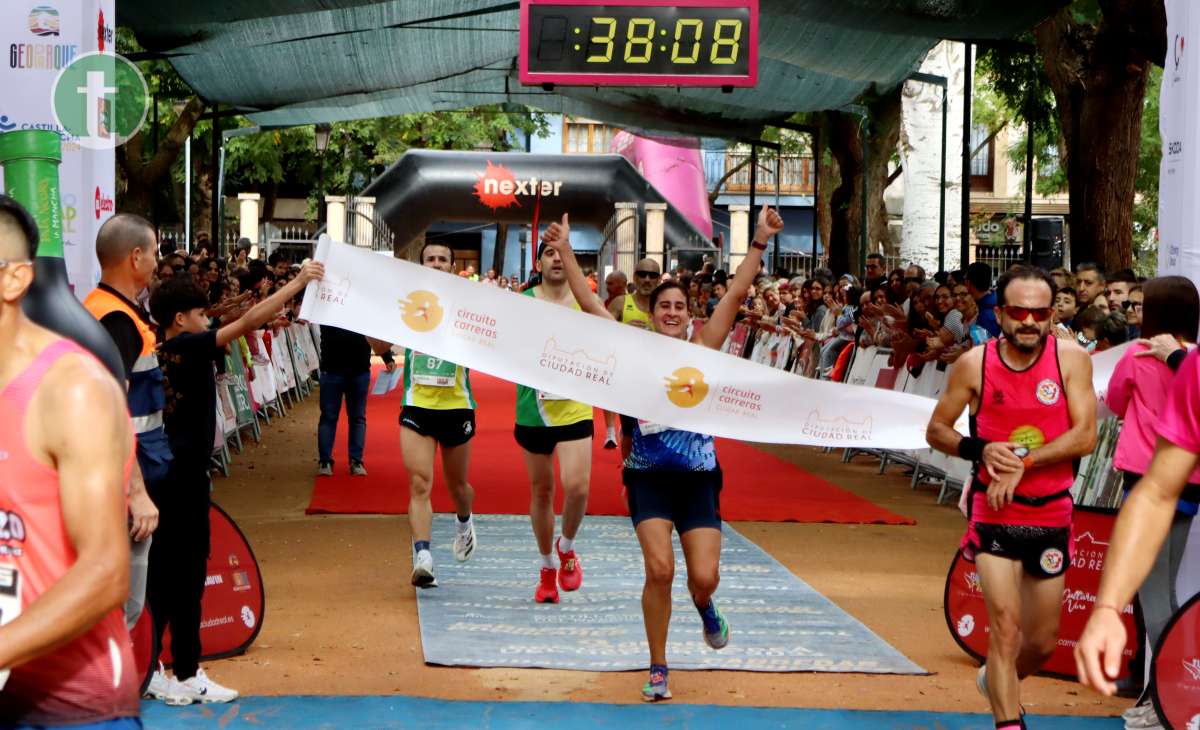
[{"x": 639, "y": 42}]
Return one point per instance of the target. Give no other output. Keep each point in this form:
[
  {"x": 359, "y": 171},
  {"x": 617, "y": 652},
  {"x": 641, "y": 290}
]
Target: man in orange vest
[{"x": 125, "y": 246}]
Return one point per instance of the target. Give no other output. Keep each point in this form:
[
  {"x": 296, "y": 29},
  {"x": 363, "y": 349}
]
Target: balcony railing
[{"x": 797, "y": 173}]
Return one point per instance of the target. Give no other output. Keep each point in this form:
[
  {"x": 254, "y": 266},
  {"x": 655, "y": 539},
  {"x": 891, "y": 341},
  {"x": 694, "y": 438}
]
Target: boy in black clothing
[{"x": 179, "y": 554}]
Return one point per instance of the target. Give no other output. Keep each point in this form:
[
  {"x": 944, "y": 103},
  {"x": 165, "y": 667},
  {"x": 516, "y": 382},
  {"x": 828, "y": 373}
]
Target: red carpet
[{"x": 758, "y": 486}]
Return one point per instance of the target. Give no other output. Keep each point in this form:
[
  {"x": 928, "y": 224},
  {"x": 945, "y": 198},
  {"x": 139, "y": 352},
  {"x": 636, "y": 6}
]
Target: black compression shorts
[
  {"x": 543, "y": 439},
  {"x": 1044, "y": 552},
  {"x": 689, "y": 499},
  {"x": 450, "y": 428}
]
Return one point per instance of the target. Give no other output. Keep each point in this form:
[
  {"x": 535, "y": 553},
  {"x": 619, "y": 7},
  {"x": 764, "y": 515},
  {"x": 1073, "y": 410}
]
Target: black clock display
[{"x": 632, "y": 44}]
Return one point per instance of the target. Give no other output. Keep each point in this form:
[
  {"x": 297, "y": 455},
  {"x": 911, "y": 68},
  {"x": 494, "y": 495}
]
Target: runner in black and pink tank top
[{"x": 1033, "y": 414}]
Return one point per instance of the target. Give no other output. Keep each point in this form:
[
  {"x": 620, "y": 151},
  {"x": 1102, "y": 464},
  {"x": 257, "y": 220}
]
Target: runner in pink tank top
[
  {"x": 66, "y": 451},
  {"x": 1033, "y": 414}
]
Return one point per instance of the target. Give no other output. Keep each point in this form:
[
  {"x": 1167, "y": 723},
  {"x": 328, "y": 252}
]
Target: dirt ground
[{"x": 341, "y": 616}]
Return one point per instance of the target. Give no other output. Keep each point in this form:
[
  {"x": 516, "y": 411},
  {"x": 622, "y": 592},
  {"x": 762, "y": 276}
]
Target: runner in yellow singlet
[
  {"x": 548, "y": 424},
  {"x": 439, "y": 408},
  {"x": 632, "y": 309}
]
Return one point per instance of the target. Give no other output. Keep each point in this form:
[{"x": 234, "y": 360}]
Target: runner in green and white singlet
[
  {"x": 546, "y": 425},
  {"x": 439, "y": 409}
]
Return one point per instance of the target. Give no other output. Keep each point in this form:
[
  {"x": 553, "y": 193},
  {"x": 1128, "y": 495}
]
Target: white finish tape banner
[{"x": 609, "y": 365}]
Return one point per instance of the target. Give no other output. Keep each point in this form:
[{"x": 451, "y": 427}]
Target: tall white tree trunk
[{"x": 920, "y": 150}]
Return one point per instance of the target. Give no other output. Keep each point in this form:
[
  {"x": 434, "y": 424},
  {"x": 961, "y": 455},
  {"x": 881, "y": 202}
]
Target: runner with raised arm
[{"x": 672, "y": 477}]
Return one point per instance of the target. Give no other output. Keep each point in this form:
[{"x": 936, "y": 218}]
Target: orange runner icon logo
[
  {"x": 421, "y": 311},
  {"x": 686, "y": 387}
]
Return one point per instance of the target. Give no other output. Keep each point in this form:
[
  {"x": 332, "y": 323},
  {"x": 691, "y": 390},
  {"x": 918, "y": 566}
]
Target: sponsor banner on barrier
[
  {"x": 966, "y": 612},
  {"x": 582, "y": 357},
  {"x": 231, "y": 612},
  {"x": 1176, "y": 669}
]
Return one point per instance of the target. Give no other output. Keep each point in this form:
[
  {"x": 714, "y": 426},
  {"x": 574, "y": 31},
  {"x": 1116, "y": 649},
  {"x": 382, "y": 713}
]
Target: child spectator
[{"x": 179, "y": 553}]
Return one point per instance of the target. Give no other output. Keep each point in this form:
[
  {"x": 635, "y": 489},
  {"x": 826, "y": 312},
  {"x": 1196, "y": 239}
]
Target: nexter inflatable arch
[{"x": 425, "y": 186}]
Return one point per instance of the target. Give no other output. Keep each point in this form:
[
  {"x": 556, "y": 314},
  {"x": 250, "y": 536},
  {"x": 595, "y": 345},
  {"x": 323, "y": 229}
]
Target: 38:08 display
[{"x": 686, "y": 47}]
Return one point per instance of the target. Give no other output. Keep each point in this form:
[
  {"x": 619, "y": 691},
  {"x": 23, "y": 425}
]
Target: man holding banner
[
  {"x": 439, "y": 409},
  {"x": 672, "y": 476},
  {"x": 549, "y": 424},
  {"x": 1033, "y": 412}
]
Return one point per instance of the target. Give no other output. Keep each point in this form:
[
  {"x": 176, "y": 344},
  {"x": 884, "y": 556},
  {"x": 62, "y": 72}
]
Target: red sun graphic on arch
[{"x": 496, "y": 187}]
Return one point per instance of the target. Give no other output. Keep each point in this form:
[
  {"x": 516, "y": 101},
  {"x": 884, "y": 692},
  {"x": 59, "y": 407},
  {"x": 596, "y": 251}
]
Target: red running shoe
[
  {"x": 570, "y": 572},
  {"x": 547, "y": 590}
]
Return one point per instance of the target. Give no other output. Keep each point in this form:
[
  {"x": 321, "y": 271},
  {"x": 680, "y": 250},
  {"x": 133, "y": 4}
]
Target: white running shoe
[
  {"x": 1145, "y": 719},
  {"x": 325, "y": 469},
  {"x": 159, "y": 685},
  {"x": 357, "y": 469},
  {"x": 464, "y": 542},
  {"x": 422, "y": 573},
  {"x": 198, "y": 689}
]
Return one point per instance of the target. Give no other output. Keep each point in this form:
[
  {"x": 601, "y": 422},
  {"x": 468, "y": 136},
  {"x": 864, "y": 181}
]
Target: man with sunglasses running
[
  {"x": 1033, "y": 413},
  {"x": 632, "y": 309}
]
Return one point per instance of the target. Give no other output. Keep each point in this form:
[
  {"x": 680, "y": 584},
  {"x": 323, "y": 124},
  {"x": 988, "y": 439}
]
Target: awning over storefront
[{"x": 289, "y": 62}]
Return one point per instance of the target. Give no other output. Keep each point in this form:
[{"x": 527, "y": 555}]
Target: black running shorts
[
  {"x": 450, "y": 428},
  {"x": 689, "y": 499},
  {"x": 1044, "y": 552},
  {"x": 543, "y": 439}
]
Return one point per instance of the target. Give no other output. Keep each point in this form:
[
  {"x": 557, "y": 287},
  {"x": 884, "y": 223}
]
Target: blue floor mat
[
  {"x": 364, "y": 713},
  {"x": 483, "y": 613}
]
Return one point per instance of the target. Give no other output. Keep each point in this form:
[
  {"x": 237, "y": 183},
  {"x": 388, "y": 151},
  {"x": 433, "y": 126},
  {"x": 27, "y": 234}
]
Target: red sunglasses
[{"x": 1039, "y": 314}]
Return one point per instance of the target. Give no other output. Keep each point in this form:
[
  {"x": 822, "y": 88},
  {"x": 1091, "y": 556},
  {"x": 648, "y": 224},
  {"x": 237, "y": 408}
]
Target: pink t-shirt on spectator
[
  {"x": 1180, "y": 422},
  {"x": 1140, "y": 393}
]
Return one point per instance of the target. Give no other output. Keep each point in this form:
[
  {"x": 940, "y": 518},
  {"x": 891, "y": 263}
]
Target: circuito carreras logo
[
  {"x": 686, "y": 387},
  {"x": 1048, "y": 392},
  {"x": 421, "y": 311}
]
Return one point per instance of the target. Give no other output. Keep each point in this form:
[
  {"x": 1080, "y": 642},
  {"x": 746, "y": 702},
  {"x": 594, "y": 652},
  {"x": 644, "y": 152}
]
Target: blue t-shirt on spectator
[{"x": 987, "y": 314}]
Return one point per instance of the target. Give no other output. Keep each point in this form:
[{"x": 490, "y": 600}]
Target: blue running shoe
[
  {"x": 656, "y": 689},
  {"x": 716, "y": 628}
]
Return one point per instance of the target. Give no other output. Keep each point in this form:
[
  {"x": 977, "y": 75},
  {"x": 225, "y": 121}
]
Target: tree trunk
[
  {"x": 828, "y": 179},
  {"x": 143, "y": 177},
  {"x": 881, "y": 145},
  {"x": 841, "y": 130},
  {"x": 1098, "y": 74}
]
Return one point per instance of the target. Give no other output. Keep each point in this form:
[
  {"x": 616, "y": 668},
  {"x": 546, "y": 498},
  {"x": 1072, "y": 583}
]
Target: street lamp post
[{"x": 321, "y": 136}]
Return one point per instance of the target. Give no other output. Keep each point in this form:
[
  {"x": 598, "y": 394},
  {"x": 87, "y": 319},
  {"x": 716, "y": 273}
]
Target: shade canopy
[{"x": 290, "y": 62}]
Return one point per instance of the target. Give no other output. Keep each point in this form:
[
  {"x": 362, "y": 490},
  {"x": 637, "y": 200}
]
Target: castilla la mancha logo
[
  {"x": 421, "y": 311},
  {"x": 686, "y": 387}
]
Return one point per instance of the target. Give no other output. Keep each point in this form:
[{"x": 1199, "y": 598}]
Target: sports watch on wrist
[{"x": 1022, "y": 453}]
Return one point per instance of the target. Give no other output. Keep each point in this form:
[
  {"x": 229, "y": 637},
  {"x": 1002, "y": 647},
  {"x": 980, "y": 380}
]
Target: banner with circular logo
[
  {"x": 1176, "y": 669},
  {"x": 231, "y": 612},
  {"x": 966, "y": 612}
]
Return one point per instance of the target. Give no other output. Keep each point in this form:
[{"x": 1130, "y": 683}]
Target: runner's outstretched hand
[
  {"x": 557, "y": 235},
  {"x": 1099, "y": 650},
  {"x": 769, "y": 223}
]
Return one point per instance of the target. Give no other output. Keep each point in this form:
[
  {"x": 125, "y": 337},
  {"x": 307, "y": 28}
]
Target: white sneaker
[
  {"x": 160, "y": 683},
  {"x": 422, "y": 573},
  {"x": 325, "y": 469},
  {"x": 1145, "y": 719},
  {"x": 464, "y": 542},
  {"x": 198, "y": 689},
  {"x": 357, "y": 469}
]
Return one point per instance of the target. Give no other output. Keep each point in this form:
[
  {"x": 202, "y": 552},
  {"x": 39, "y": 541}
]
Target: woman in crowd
[
  {"x": 672, "y": 477},
  {"x": 842, "y": 304},
  {"x": 1138, "y": 392}
]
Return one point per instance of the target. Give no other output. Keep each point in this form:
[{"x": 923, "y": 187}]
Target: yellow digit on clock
[
  {"x": 633, "y": 39},
  {"x": 697, "y": 27},
  {"x": 606, "y": 40},
  {"x": 731, "y": 44}
]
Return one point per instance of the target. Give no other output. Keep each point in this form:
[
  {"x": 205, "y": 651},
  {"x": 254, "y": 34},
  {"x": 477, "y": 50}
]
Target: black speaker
[{"x": 1046, "y": 242}]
